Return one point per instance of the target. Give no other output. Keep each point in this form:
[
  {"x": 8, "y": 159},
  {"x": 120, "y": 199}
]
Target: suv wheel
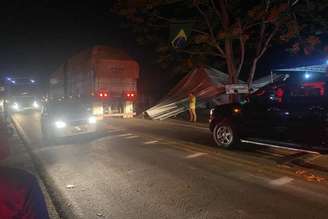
[{"x": 225, "y": 135}]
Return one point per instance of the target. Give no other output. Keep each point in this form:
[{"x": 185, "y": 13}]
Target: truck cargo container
[{"x": 103, "y": 76}]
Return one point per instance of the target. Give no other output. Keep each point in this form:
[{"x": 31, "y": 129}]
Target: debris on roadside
[
  {"x": 309, "y": 176},
  {"x": 70, "y": 186},
  {"x": 99, "y": 214}
]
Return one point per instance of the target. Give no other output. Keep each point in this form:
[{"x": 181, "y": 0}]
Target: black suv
[{"x": 291, "y": 113}]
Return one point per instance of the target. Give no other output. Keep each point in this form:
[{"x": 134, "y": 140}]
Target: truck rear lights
[
  {"x": 130, "y": 95},
  {"x": 103, "y": 94}
]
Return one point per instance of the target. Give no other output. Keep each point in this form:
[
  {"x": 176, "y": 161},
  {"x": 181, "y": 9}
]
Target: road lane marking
[
  {"x": 124, "y": 135},
  {"x": 115, "y": 130},
  {"x": 151, "y": 142},
  {"x": 281, "y": 181},
  {"x": 131, "y": 137},
  {"x": 188, "y": 126},
  {"x": 193, "y": 147},
  {"x": 199, "y": 154}
]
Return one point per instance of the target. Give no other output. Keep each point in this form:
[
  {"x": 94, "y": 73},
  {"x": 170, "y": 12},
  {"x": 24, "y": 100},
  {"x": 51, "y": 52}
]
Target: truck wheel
[{"x": 225, "y": 135}]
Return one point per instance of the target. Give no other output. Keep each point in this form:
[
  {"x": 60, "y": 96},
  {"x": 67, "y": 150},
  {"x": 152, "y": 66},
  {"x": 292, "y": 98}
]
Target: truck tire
[{"x": 225, "y": 135}]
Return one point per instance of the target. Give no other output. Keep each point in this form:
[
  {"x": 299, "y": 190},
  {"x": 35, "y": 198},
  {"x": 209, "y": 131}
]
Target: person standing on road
[{"x": 192, "y": 107}]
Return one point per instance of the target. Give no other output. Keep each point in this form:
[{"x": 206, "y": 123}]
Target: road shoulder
[{"x": 54, "y": 199}]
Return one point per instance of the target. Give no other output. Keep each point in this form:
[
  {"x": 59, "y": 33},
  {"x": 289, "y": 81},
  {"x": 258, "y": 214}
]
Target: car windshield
[
  {"x": 24, "y": 99},
  {"x": 69, "y": 108}
]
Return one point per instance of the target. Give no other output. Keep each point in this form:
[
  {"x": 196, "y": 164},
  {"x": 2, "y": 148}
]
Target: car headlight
[
  {"x": 35, "y": 104},
  {"x": 60, "y": 124},
  {"x": 92, "y": 120},
  {"x": 15, "y": 106}
]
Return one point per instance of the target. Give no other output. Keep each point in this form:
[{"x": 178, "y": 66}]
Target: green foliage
[{"x": 251, "y": 26}]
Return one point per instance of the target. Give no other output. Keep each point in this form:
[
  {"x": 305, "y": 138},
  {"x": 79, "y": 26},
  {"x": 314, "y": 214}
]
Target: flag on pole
[{"x": 179, "y": 34}]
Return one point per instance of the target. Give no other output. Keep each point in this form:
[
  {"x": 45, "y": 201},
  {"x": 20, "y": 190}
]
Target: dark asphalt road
[{"x": 146, "y": 169}]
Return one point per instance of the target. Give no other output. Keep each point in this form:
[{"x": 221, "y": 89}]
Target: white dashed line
[
  {"x": 281, "y": 181},
  {"x": 124, "y": 135},
  {"x": 114, "y": 130},
  {"x": 150, "y": 142},
  {"x": 131, "y": 137},
  {"x": 199, "y": 154}
]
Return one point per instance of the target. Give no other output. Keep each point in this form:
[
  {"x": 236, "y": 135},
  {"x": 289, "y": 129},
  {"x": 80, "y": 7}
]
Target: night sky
[{"x": 37, "y": 36}]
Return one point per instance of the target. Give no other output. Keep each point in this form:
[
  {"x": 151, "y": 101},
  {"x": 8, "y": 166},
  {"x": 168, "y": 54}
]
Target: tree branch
[
  {"x": 267, "y": 42},
  {"x": 199, "y": 53},
  {"x": 217, "y": 46},
  {"x": 242, "y": 55},
  {"x": 199, "y": 31},
  {"x": 216, "y": 9},
  {"x": 256, "y": 59},
  {"x": 260, "y": 42}
]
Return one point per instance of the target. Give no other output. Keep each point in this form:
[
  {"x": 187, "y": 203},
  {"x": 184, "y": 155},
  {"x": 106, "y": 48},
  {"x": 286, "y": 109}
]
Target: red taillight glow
[
  {"x": 101, "y": 94},
  {"x": 130, "y": 95},
  {"x": 105, "y": 94}
]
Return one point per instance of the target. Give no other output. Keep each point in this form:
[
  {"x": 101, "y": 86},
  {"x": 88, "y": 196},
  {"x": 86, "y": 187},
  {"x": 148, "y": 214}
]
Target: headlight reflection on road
[
  {"x": 35, "y": 104},
  {"x": 60, "y": 124},
  {"x": 15, "y": 106},
  {"x": 92, "y": 120}
]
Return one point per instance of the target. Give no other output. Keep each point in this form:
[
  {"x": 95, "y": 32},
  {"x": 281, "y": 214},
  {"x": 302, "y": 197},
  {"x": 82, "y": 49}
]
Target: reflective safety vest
[{"x": 192, "y": 102}]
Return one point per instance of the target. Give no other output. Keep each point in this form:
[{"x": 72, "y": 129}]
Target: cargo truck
[{"x": 104, "y": 77}]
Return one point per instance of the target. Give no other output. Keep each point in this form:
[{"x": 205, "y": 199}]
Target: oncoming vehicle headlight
[
  {"x": 60, "y": 124},
  {"x": 92, "y": 120},
  {"x": 15, "y": 106},
  {"x": 35, "y": 104}
]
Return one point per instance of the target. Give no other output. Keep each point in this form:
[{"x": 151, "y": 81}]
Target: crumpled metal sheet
[{"x": 207, "y": 84}]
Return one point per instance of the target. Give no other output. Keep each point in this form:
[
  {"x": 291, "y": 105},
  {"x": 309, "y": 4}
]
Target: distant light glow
[
  {"x": 92, "y": 120},
  {"x": 15, "y": 106},
  {"x": 32, "y": 81},
  {"x": 236, "y": 110},
  {"x": 307, "y": 75},
  {"x": 35, "y": 104},
  {"x": 60, "y": 124},
  {"x": 14, "y": 82}
]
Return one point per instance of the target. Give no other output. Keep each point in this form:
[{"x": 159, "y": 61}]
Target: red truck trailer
[{"x": 103, "y": 76}]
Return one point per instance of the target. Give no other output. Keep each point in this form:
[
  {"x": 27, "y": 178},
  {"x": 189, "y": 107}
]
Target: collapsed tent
[{"x": 207, "y": 84}]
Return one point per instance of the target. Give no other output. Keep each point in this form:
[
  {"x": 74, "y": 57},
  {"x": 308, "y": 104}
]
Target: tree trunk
[
  {"x": 230, "y": 61},
  {"x": 230, "y": 67}
]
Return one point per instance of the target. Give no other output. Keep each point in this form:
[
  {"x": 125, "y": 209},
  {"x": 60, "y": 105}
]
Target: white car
[
  {"x": 67, "y": 118},
  {"x": 22, "y": 103}
]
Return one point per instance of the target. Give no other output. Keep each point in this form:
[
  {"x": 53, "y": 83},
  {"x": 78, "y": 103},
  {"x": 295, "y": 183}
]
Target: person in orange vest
[{"x": 192, "y": 107}]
